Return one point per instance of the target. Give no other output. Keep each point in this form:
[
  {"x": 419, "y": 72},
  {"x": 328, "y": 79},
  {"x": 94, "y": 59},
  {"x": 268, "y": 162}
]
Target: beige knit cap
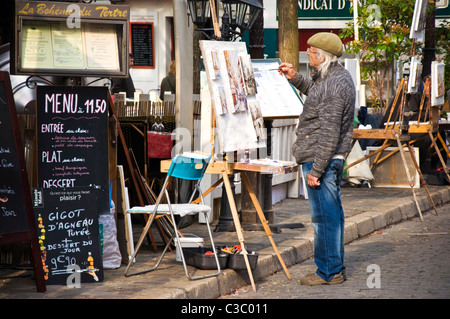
[{"x": 327, "y": 41}]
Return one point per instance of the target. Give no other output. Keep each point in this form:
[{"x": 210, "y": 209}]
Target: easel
[
  {"x": 238, "y": 122},
  {"x": 400, "y": 133},
  {"x": 140, "y": 188},
  {"x": 224, "y": 169}
]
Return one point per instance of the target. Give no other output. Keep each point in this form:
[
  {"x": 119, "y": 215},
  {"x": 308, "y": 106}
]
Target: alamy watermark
[
  {"x": 374, "y": 279},
  {"x": 74, "y": 279},
  {"x": 74, "y": 19}
]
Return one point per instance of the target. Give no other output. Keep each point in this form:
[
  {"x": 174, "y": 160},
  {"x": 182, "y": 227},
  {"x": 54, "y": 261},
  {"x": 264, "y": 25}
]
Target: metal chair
[{"x": 189, "y": 166}]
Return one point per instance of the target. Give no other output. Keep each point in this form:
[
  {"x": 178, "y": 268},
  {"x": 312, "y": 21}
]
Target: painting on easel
[
  {"x": 418, "y": 21},
  {"x": 249, "y": 76},
  {"x": 415, "y": 71},
  {"x": 437, "y": 83},
  {"x": 215, "y": 65},
  {"x": 233, "y": 96},
  {"x": 236, "y": 80}
]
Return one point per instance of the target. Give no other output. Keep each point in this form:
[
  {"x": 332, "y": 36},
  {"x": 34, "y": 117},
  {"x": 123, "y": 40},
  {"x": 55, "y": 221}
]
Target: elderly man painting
[{"x": 324, "y": 135}]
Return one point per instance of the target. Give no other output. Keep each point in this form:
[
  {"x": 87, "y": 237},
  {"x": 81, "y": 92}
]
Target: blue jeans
[{"x": 327, "y": 217}]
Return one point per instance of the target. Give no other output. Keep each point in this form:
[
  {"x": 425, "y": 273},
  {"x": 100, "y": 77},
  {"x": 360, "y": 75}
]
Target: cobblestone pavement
[{"x": 411, "y": 258}]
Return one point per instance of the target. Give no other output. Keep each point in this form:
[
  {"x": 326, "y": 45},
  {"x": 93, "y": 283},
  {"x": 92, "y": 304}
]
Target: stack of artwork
[
  {"x": 241, "y": 80},
  {"x": 233, "y": 95}
]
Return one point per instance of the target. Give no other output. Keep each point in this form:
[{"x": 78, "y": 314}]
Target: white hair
[{"x": 329, "y": 58}]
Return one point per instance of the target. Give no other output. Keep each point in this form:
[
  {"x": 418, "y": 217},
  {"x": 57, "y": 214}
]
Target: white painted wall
[{"x": 156, "y": 11}]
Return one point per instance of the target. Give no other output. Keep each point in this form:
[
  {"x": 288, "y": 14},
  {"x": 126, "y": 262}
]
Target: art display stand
[
  {"x": 399, "y": 133},
  {"x": 400, "y": 129}
]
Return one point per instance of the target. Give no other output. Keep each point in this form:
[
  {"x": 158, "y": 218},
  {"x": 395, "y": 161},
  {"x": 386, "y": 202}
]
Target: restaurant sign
[
  {"x": 61, "y": 9},
  {"x": 324, "y": 10}
]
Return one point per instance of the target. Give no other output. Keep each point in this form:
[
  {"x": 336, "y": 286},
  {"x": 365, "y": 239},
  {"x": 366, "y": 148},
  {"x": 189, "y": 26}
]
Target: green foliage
[{"x": 384, "y": 27}]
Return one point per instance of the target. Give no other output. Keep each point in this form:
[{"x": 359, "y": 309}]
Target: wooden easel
[
  {"x": 224, "y": 169},
  {"x": 400, "y": 133}
]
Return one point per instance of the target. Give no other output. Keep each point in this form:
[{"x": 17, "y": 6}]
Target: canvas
[{"x": 229, "y": 98}]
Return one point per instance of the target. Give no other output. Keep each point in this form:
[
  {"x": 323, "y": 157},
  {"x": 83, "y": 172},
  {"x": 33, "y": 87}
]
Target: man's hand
[
  {"x": 287, "y": 70},
  {"x": 312, "y": 181}
]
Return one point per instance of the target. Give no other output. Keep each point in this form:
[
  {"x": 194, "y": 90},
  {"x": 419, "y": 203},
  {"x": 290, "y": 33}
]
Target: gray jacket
[{"x": 325, "y": 126}]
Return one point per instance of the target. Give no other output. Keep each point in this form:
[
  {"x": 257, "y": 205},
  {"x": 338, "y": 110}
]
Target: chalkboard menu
[
  {"x": 16, "y": 210},
  {"x": 68, "y": 232},
  {"x": 13, "y": 214},
  {"x": 72, "y": 138},
  {"x": 142, "y": 44}
]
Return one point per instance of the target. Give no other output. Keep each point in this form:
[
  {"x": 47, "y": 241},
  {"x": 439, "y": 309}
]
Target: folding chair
[{"x": 188, "y": 166}]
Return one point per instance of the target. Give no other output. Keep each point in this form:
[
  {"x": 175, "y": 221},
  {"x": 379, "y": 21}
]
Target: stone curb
[{"x": 295, "y": 251}]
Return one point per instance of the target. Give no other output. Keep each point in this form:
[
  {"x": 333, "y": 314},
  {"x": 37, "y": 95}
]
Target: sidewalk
[{"x": 366, "y": 211}]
